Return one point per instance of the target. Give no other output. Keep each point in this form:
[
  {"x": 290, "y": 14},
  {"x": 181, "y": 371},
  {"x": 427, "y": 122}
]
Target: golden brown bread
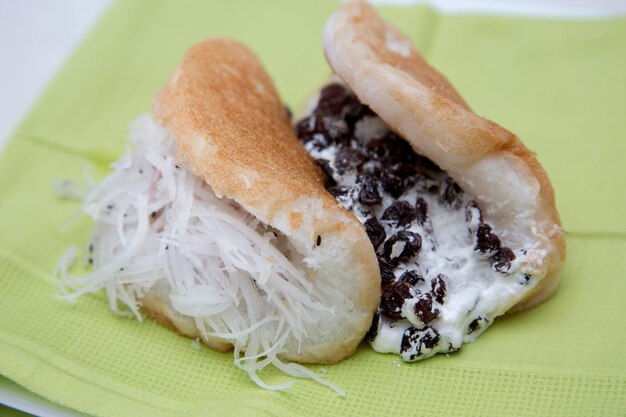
[
  {"x": 232, "y": 130},
  {"x": 379, "y": 63}
]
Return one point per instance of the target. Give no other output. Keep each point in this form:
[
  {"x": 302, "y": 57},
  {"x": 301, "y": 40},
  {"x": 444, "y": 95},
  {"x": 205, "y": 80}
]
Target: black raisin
[
  {"x": 402, "y": 246},
  {"x": 318, "y": 141},
  {"x": 424, "y": 308},
  {"x": 370, "y": 193},
  {"x": 333, "y": 98},
  {"x": 438, "y": 288},
  {"x": 354, "y": 111},
  {"x": 393, "y": 298},
  {"x": 309, "y": 127},
  {"x": 318, "y": 241},
  {"x": 339, "y": 190},
  {"x": 348, "y": 159},
  {"x": 375, "y": 231},
  {"x": 411, "y": 277},
  {"x": 386, "y": 271},
  {"x": 421, "y": 211},
  {"x": 487, "y": 243},
  {"x": 400, "y": 213},
  {"x": 451, "y": 195},
  {"x": 374, "y": 328},
  {"x": 473, "y": 216},
  {"x": 476, "y": 324},
  {"x": 378, "y": 149},
  {"x": 501, "y": 261},
  {"x": 416, "y": 342},
  {"x": 392, "y": 183},
  {"x": 400, "y": 151}
]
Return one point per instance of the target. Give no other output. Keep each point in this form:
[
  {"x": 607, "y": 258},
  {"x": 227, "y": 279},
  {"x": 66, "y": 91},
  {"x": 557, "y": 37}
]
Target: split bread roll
[
  {"x": 385, "y": 71},
  {"x": 461, "y": 241},
  {"x": 216, "y": 224},
  {"x": 233, "y": 131}
]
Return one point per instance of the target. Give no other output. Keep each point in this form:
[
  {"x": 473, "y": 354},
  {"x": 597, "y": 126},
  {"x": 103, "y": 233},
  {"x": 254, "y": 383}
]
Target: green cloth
[{"x": 559, "y": 84}]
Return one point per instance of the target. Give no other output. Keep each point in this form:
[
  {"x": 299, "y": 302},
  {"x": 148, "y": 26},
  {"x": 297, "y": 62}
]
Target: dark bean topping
[
  {"x": 400, "y": 213},
  {"x": 451, "y": 195},
  {"x": 393, "y": 298},
  {"x": 339, "y": 190},
  {"x": 348, "y": 159},
  {"x": 476, "y": 324},
  {"x": 374, "y": 328},
  {"x": 328, "y": 170},
  {"x": 409, "y": 245},
  {"x": 370, "y": 193},
  {"x": 318, "y": 241},
  {"x": 421, "y": 211},
  {"x": 391, "y": 182},
  {"x": 501, "y": 261},
  {"x": 386, "y": 270},
  {"x": 415, "y": 342},
  {"x": 424, "y": 308},
  {"x": 411, "y": 277},
  {"x": 438, "y": 288},
  {"x": 375, "y": 231},
  {"x": 487, "y": 243}
]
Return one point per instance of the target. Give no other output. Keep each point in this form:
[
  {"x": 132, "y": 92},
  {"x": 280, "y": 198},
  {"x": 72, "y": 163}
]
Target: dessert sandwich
[
  {"x": 460, "y": 213},
  {"x": 390, "y": 211}
]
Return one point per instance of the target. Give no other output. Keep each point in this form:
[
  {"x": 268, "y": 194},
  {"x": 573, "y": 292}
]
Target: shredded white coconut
[{"x": 154, "y": 221}]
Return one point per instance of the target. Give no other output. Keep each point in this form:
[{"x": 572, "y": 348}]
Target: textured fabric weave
[{"x": 560, "y": 85}]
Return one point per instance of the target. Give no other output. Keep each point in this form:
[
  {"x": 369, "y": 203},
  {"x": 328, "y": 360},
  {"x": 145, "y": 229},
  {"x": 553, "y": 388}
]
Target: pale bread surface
[
  {"x": 380, "y": 64},
  {"x": 233, "y": 131}
]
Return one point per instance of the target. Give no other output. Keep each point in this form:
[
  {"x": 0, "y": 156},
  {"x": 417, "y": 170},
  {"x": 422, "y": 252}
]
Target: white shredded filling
[{"x": 156, "y": 222}]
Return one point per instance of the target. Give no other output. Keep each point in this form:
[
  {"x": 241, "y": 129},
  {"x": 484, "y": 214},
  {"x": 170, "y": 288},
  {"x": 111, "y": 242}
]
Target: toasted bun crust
[
  {"x": 379, "y": 63},
  {"x": 233, "y": 131}
]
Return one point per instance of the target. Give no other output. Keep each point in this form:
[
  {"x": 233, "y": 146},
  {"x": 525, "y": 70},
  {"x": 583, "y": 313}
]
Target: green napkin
[{"x": 561, "y": 85}]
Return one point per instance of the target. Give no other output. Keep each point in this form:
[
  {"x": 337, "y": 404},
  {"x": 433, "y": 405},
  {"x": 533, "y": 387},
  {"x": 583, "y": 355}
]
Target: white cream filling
[{"x": 474, "y": 288}]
